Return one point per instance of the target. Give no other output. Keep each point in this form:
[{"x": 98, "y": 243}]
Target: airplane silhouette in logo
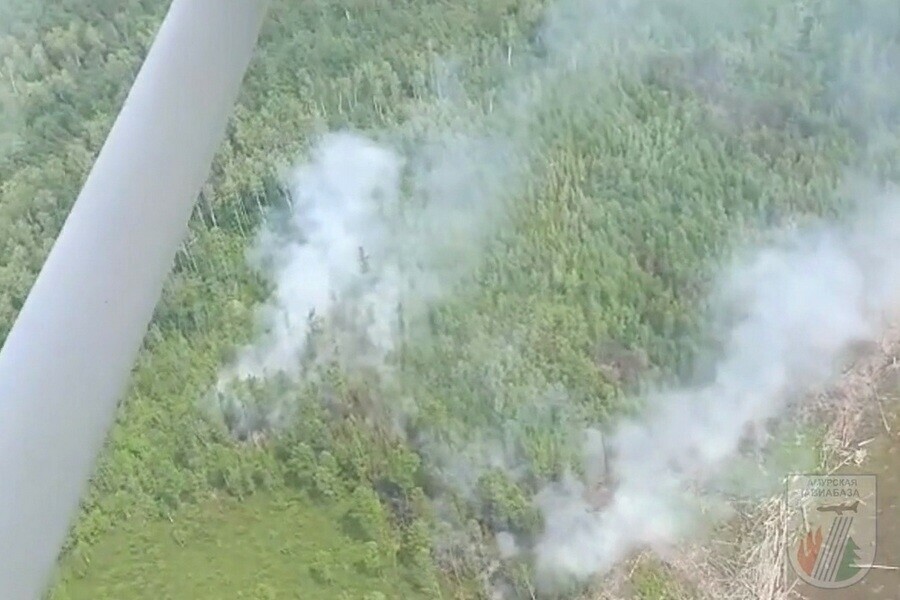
[{"x": 839, "y": 508}]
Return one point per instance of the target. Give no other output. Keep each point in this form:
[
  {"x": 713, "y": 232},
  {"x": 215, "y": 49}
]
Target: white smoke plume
[
  {"x": 379, "y": 232},
  {"x": 804, "y": 304},
  {"x": 339, "y": 206},
  {"x": 371, "y": 240}
]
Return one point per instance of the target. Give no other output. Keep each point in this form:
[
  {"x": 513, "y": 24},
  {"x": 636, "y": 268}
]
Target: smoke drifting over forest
[
  {"x": 355, "y": 250},
  {"x": 805, "y": 303},
  {"x": 378, "y": 233}
]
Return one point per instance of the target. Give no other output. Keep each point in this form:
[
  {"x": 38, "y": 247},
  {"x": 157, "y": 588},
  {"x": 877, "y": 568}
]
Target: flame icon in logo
[{"x": 808, "y": 551}]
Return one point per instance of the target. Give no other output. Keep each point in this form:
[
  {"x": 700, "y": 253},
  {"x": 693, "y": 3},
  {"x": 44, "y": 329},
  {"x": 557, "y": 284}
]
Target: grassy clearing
[{"x": 270, "y": 546}]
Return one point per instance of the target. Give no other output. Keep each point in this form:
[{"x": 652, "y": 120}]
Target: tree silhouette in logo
[{"x": 848, "y": 567}]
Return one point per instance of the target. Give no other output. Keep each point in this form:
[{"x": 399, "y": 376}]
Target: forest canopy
[{"x": 633, "y": 176}]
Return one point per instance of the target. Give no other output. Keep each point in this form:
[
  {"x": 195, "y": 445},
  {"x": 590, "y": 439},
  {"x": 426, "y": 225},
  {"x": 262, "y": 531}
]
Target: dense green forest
[{"x": 639, "y": 172}]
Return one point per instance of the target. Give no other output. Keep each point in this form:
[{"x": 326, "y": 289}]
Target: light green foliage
[
  {"x": 322, "y": 567},
  {"x": 506, "y": 507},
  {"x": 367, "y": 516},
  {"x": 269, "y": 546},
  {"x": 327, "y": 478},
  {"x": 653, "y": 582},
  {"x": 371, "y": 561},
  {"x": 640, "y": 182}
]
